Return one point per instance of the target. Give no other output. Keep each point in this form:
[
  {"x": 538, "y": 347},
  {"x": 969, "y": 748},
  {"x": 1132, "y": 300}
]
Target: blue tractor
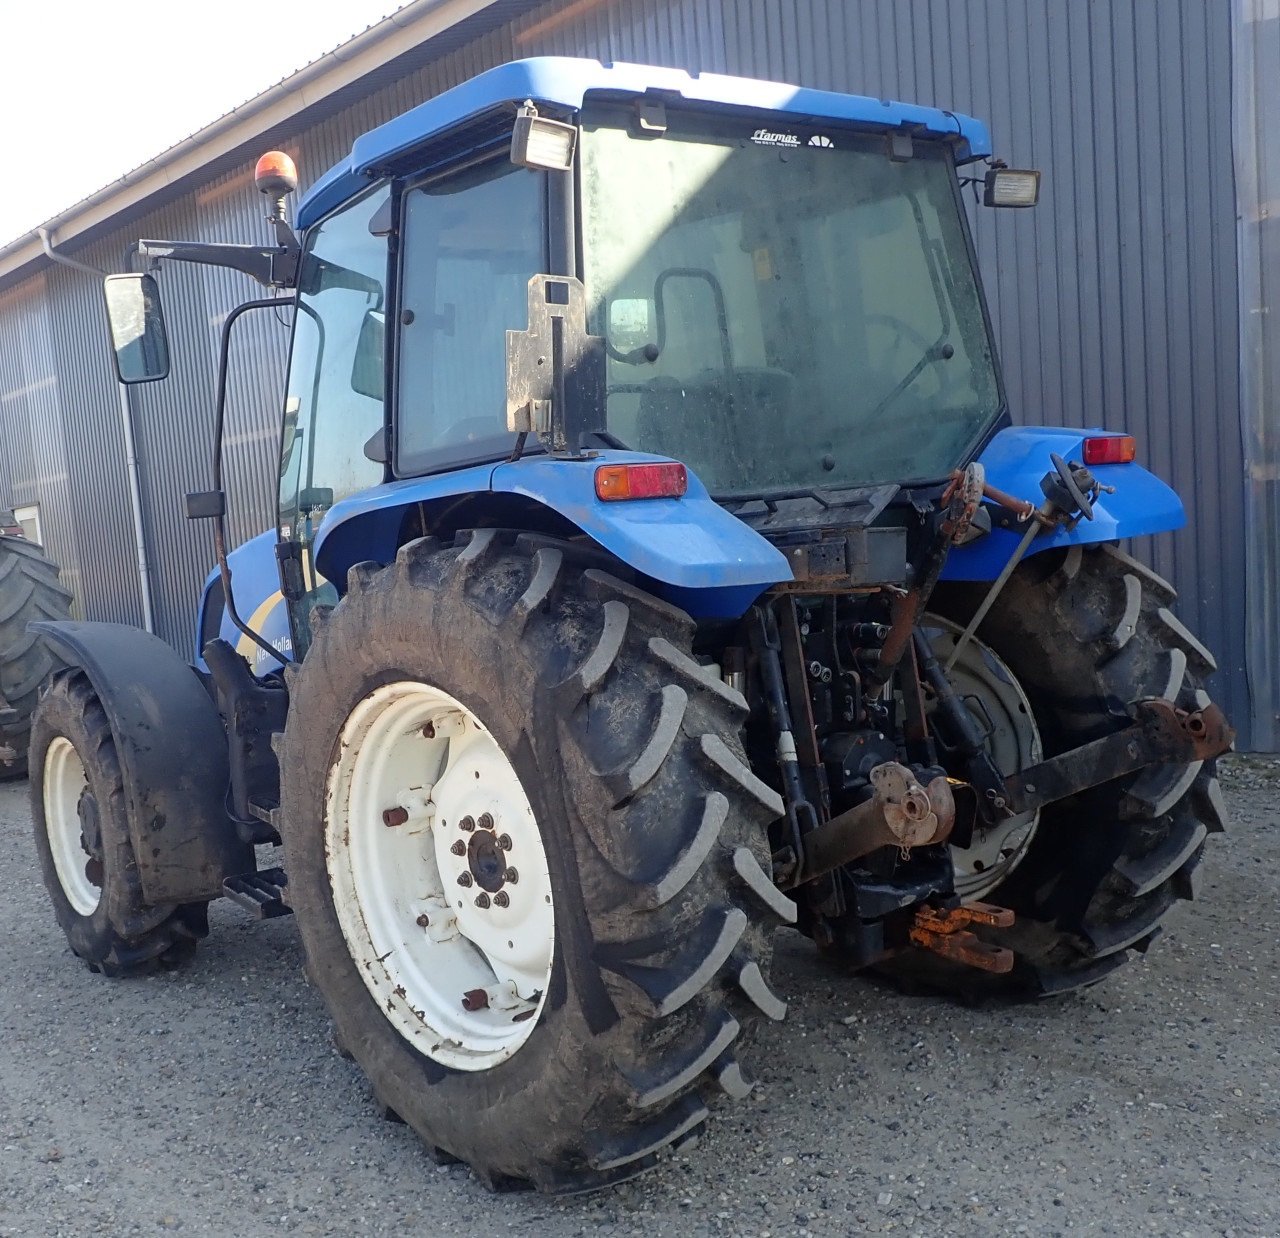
[{"x": 656, "y": 564}]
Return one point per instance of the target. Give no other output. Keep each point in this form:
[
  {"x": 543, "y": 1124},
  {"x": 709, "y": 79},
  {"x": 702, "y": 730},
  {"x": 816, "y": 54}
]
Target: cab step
[{"x": 263, "y": 894}]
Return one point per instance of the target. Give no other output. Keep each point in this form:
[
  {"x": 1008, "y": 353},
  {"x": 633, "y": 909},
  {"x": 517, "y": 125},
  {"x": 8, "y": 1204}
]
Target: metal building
[{"x": 1134, "y": 297}]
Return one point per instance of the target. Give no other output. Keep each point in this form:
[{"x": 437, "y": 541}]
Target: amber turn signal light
[
  {"x": 641, "y": 481},
  {"x": 1113, "y": 449}
]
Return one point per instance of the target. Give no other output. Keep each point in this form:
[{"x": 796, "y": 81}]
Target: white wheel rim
[
  {"x": 1014, "y": 743},
  {"x": 411, "y": 909},
  {"x": 64, "y": 783}
]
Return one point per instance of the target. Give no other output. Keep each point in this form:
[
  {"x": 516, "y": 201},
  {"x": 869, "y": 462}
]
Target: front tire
[
  {"x": 646, "y": 834},
  {"x": 82, "y": 840}
]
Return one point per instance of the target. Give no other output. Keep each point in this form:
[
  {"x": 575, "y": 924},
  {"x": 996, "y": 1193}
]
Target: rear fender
[
  {"x": 690, "y": 550},
  {"x": 173, "y": 754},
  {"x": 1018, "y": 457}
]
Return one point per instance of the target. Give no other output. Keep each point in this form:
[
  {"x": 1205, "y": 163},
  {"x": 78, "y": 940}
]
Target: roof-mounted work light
[
  {"x": 538, "y": 142},
  {"x": 1011, "y": 187}
]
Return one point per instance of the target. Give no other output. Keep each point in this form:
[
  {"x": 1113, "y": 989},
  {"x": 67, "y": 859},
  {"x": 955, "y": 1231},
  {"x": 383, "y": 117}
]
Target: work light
[
  {"x": 1011, "y": 187},
  {"x": 537, "y": 142}
]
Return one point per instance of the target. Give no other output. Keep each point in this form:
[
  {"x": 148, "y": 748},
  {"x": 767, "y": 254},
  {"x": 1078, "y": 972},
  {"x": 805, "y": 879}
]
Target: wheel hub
[
  {"x": 487, "y": 861},
  {"x": 424, "y": 814}
]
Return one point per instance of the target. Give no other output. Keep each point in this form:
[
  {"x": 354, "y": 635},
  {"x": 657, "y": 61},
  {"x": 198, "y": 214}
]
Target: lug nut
[
  {"x": 475, "y": 999},
  {"x": 429, "y": 730},
  {"x": 395, "y": 816},
  {"x": 486, "y": 821},
  {"x": 502, "y": 899},
  {"x": 464, "y": 879},
  {"x": 459, "y": 848},
  {"x": 424, "y": 920},
  {"x": 467, "y": 824},
  {"x": 482, "y": 901},
  {"x": 504, "y": 842},
  {"x": 511, "y": 876}
]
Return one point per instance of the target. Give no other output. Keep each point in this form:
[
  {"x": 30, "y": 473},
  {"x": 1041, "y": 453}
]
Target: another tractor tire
[
  {"x": 613, "y": 781},
  {"x": 29, "y": 590},
  {"x": 82, "y": 839},
  {"x": 1086, "y": 632}
]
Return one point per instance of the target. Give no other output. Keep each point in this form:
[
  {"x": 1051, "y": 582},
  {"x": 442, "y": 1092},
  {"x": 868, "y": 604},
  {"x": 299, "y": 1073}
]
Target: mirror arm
[{"x": 276, "y": 268}]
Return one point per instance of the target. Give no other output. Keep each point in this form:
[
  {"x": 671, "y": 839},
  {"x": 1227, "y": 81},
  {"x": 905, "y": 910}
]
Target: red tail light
[
  {"x": 1113, "y": 449},
  {"x": 641, "y": 481}
]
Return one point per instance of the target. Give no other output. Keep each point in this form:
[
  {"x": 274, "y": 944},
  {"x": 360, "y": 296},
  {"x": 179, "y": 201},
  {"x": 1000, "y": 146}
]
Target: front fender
[
  {"x": 173, "y": 755},
  {"x": 693, "y": 551},
  {"x": 1018, "y": 457}
]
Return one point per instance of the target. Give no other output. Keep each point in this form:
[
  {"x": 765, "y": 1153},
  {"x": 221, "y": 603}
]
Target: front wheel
[
  {"x": 527, "y": 859},
  {"x": 82, "y": 839}
]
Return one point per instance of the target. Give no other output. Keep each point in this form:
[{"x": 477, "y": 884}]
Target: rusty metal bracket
[
  {"x": 945, "y": 931},
  {"x": 900, "y": 813},
  {"x": 1162, "y": 734}
]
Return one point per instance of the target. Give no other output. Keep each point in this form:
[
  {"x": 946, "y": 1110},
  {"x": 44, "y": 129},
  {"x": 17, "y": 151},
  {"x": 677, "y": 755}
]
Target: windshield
[{"x": 784, "y": 307}]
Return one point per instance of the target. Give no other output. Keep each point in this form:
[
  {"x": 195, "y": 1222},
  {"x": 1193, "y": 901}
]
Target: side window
[
  {"x": 334, "y": 401},
  {"x": 334, "y": 398},
  {"x": 471, "y": 244}
]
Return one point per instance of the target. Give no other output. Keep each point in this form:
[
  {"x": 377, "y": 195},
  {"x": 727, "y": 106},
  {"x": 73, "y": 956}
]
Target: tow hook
[{"x": 945, "y": 931}]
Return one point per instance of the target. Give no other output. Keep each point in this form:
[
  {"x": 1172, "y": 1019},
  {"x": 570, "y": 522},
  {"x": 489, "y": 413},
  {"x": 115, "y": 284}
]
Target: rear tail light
[
  {"x": 1113, "y": 449},
  {"x": 641, "y": 481}
]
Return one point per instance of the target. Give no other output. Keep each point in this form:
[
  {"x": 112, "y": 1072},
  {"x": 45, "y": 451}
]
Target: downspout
[{"x": 130, "y": 450}]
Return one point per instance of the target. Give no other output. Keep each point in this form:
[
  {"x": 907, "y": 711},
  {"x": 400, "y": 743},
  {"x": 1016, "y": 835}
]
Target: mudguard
[
  {"x": 173, "y": 754},
  {"x": 1018, "y": 457},
  {"x": 691, "y": 550}
]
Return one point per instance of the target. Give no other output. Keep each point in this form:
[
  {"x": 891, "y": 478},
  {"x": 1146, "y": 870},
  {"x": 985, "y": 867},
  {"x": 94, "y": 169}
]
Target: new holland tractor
[{"x": 656, "y": 564}]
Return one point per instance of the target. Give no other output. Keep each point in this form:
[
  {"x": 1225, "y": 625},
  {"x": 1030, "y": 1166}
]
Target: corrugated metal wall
[{"x": 1115, "y": 302}]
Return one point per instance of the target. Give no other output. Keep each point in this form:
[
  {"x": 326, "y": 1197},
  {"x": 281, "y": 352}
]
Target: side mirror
[
  {"x": 367, "y": 365},
  {"x": 137, "y": 328}
]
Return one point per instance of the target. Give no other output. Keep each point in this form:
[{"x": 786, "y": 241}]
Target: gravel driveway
[{"x": 210, "y": 1101}]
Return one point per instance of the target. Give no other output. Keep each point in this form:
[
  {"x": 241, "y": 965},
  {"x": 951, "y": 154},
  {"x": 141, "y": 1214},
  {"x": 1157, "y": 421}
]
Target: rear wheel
[
  {"x": 29, "y": 590},
  {"x": 1078, "y": 636},
  {"x": 82, "y": 839},
  {"x": 528, "y": 859}
]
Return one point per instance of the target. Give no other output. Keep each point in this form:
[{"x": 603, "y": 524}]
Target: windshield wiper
[{"x": 940, "y": 351}]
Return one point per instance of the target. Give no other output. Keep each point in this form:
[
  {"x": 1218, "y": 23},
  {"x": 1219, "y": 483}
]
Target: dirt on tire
[{"x": 654, "y": 830}]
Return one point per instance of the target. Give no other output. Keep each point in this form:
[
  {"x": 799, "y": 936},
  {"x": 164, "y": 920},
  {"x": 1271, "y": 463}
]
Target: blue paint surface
[
  {"x": 691, "y": 548},
  {"x": 255, "y": 582},
  {"x": 566, "y": 82},
  {"x": 1018, "y": 457}
]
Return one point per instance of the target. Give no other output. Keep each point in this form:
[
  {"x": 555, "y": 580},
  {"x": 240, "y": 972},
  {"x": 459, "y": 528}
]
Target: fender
[
  {"x": 173, "y": 754},
  {"x": 693, "y": 552},
  {"x": 1018, "y": 457}
]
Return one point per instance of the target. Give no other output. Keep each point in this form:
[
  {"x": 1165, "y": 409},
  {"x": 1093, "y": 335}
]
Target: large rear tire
[
  {"x": 29, "y": 590},
  {"x": 82, "y": 839},
  {"x": 637, "y": 825},
  {"x": 1087, "y": 632}
]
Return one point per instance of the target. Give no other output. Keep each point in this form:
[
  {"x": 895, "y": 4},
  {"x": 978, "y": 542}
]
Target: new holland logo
[
  {"x": 764, "y": 137},
  {"x": 821, "y": 139}
]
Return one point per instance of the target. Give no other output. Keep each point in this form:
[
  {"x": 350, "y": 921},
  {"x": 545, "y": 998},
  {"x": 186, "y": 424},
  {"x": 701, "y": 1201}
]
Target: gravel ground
[{"x": 210, "y": 1101}]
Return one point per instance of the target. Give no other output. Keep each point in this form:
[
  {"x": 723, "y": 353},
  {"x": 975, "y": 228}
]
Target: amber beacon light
[{"x": 275, "y": 174}]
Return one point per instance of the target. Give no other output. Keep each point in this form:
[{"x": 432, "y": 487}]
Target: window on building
[{"x": 29, "y": 519}]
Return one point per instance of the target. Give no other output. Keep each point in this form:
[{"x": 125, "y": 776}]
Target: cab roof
[{"x": 563, "y": 82}]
